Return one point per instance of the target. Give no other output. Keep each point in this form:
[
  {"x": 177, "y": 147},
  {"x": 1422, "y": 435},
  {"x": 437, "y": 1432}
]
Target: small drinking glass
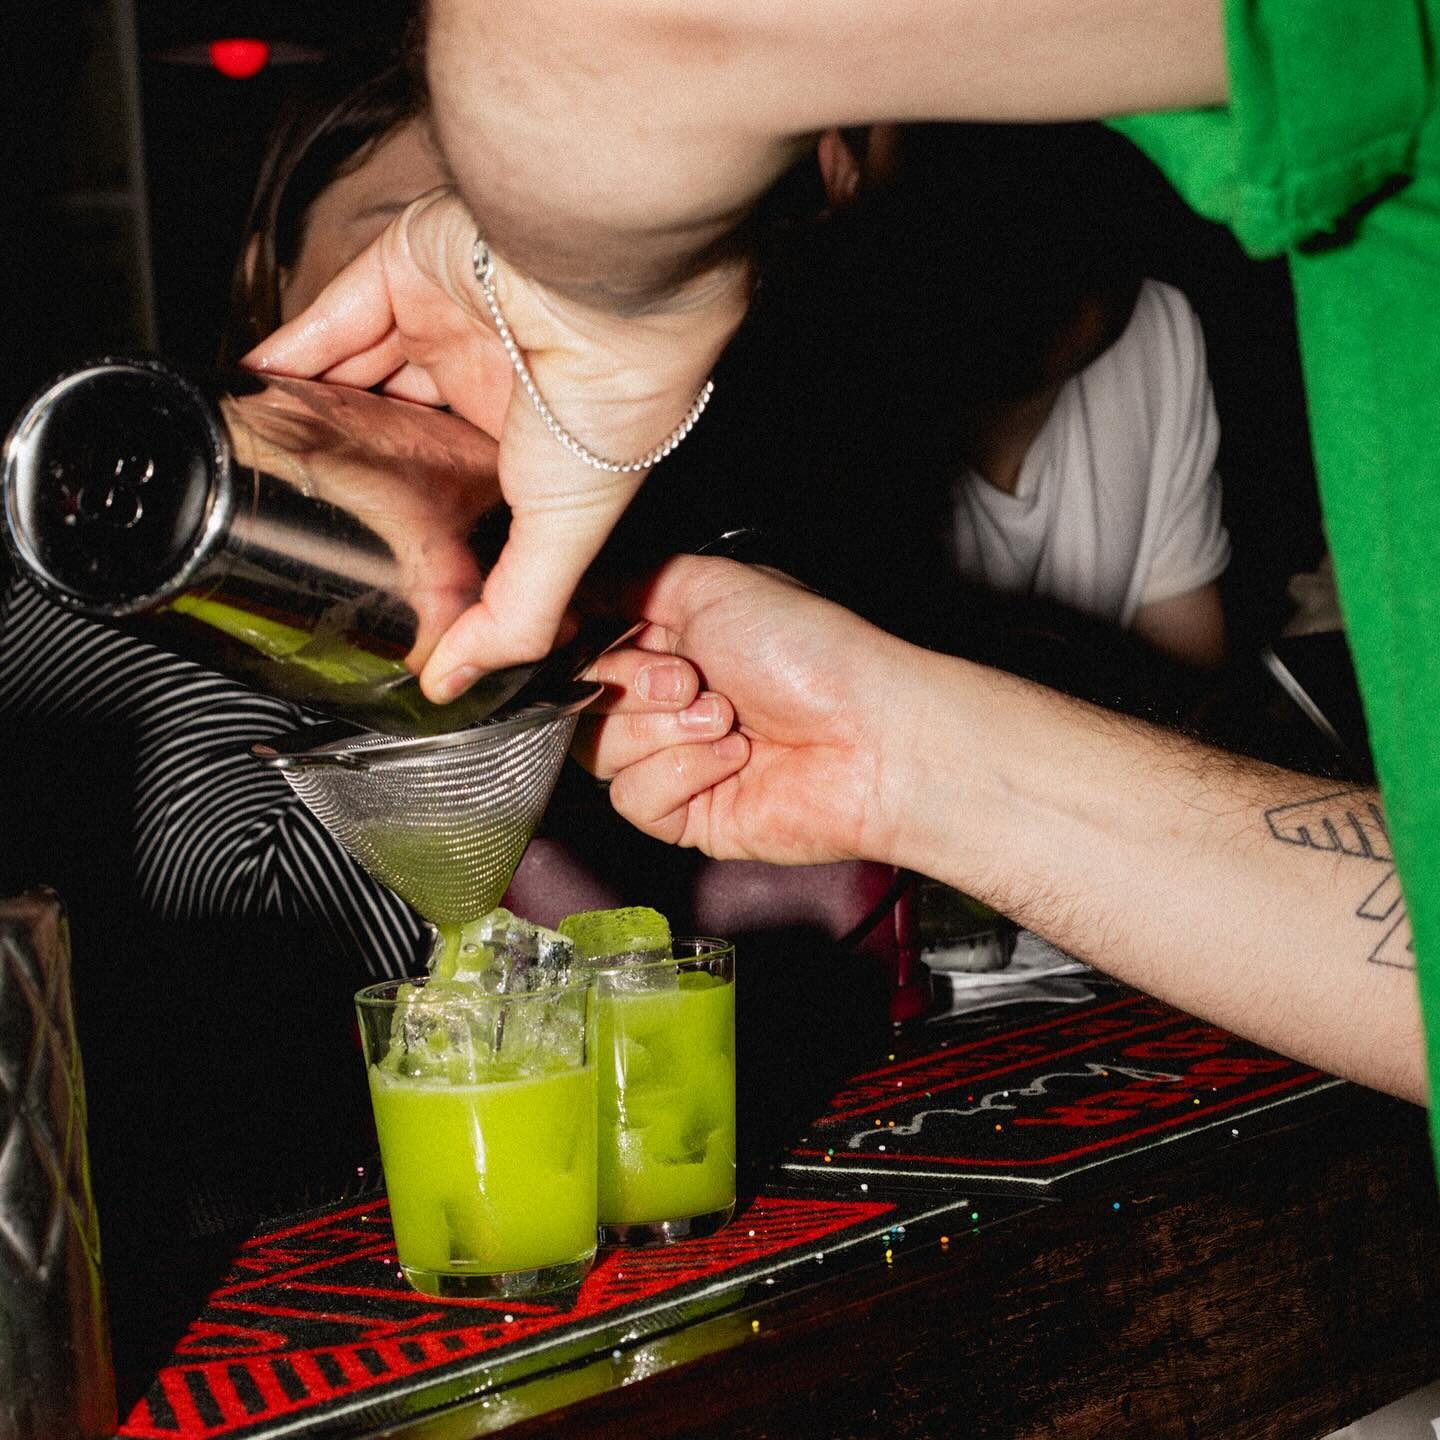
[
  {"x": 666, "y": 1048},
  {"x": 485, "y": 1111}
]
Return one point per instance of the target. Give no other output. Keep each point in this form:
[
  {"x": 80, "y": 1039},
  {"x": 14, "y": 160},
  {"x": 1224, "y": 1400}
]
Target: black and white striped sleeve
[{"x": 218, "y": 835}]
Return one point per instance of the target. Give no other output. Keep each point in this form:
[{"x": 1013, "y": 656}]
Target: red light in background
[{"x": 239, "y": 59}]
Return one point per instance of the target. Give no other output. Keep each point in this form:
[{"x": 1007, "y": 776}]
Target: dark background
[{"x": 80, "y": 254}]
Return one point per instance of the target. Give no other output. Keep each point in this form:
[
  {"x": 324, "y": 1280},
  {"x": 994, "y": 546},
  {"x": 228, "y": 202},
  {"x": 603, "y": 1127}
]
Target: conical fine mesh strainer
[{"x": 442, "y": 820}]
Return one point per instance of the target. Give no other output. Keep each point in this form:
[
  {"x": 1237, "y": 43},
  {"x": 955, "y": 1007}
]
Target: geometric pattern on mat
[
  {"x": 315, "y": 1320},
  {"x": 1035, "y": 1102}
]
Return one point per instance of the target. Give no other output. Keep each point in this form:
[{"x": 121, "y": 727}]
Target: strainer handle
[
  {"x": 570, "y": 661},
  {"x": 290, "y": 751}
]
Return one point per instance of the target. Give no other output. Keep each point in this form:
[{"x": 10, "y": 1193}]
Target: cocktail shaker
[
  {"x": 56, "y": 1377},
  {"x": 307, "y": 538}
]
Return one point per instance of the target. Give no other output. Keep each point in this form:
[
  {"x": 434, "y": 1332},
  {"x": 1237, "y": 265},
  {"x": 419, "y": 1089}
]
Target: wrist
[
  {"x": 932, "y": 767},
  {"x": 980, "y": 784},
  {"x": 652, "y": 368}
]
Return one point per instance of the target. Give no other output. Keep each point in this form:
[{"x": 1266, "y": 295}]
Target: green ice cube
[{"x": 630, "y": 930}]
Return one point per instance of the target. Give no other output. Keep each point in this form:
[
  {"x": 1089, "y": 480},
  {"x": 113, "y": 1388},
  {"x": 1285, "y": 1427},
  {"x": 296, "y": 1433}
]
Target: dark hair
[{"x": 325, "y": 129}]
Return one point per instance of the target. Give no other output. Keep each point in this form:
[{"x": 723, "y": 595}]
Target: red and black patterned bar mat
[
  {"x": 1045, "y": 1099},
  {"x": 315, "y": 1331}
]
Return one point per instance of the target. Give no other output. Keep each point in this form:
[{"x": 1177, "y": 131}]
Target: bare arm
[
  {"x": 609, "y": 146},
  {"x": 1263, "y": 900},
  {"x": 1259, "y": 899},
  {"x": 1189, "y": 627}
]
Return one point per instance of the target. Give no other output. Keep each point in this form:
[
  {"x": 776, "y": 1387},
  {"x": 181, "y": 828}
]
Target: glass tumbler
[
  {"x": 666, "y": 1047},
  {"x": 485, "y": 1112}
]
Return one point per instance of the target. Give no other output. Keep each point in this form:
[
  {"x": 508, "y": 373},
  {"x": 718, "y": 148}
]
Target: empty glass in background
[
  {"x": 665, "y": 1043},
  {"x": 485, "y": 1112}
]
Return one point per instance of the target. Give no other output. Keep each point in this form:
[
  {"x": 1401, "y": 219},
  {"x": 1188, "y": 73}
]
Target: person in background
[
  {"x": 348, "y": 151},
  {"x": 611, "y": 195},
  {"x": 1088, "y": 435}
]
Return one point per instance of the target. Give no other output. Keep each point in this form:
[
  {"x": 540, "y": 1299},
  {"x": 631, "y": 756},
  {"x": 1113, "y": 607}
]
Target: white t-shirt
[{"x": 1118, "y": 502}]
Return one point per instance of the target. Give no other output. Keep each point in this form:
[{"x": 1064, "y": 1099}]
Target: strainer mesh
[{"x": 444, "y": 829}]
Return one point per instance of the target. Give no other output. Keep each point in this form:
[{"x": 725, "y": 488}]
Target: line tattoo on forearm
[{"x": 1350, "y": 822}]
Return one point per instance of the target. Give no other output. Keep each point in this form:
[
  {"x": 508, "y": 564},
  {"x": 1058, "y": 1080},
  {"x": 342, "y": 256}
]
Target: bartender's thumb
[{"x": 562, "y": 512}]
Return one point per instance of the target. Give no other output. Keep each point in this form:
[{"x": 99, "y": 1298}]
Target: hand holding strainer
[{"x": 443, "y": 820}]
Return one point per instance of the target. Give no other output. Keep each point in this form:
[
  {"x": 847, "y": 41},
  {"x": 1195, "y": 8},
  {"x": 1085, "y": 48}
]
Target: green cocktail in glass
[
  {"x": 485, "y": 1111},
  {"x": 666, "y": 1050}
]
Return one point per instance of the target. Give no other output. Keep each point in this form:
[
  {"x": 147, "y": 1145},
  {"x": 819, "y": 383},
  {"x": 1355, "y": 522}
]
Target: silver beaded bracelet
[{"x": 484, "y": 265}]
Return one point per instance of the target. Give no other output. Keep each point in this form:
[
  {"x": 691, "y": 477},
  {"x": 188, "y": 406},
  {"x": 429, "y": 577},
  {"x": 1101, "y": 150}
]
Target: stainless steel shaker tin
[
  {"x": 118, "y": 486},
  {"x": 308, "y": 538}
]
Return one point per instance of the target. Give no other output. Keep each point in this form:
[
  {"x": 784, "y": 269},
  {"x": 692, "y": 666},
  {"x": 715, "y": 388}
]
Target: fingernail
[
  {"x": 731, "y": 748},
  {"x": 456, "y": 683},
  {"x": 661, "y": 683},
  {"x": 704, "y": 714}
]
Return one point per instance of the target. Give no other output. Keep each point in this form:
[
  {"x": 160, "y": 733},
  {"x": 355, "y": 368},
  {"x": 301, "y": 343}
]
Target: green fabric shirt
[{"x": 1329, "y": 152}]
